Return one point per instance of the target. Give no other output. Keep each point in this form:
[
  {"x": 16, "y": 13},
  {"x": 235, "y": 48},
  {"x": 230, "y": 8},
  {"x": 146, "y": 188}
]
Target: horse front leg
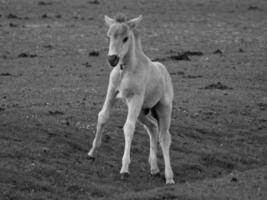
[
  {"x": 134, "y": 107},
  {"x": 103, "y": 117}
]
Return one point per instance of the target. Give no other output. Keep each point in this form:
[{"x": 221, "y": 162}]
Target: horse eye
[{"x": 125, "y": 39}]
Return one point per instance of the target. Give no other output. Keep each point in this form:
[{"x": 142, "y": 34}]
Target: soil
[{"x": 53, "y": 81}]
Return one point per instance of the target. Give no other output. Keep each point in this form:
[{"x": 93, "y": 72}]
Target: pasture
[{"x": 53, "y": 82}]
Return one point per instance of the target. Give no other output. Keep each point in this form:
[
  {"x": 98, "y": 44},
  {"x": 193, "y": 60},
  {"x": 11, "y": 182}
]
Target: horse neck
[{"x": 135, "y": 52}]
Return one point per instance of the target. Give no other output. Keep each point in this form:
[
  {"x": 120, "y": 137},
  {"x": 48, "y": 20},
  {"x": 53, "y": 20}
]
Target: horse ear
[
  {"x": 109, "y": 21},
  {"x": 134, "y": 22}
]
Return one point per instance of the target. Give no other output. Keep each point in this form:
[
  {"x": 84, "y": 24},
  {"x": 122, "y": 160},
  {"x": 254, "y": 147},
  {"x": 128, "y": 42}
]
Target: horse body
[
  {"x": 144, "y": 86},
  {"x": 159, "y": 86},
  {"x": 148, "y": 78}
]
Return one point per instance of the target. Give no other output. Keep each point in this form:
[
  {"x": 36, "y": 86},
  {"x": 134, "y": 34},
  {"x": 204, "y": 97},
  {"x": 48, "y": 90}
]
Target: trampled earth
[{"x": 53, "y": 80}]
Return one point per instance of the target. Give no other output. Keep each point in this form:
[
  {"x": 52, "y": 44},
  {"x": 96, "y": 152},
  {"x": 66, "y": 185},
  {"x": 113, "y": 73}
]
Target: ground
[{"x": 53, "y": 80}]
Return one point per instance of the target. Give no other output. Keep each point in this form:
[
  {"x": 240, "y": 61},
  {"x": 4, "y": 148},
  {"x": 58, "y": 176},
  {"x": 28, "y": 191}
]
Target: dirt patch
[
  {"x": 96, "y": 2},
  {"x": 217, "y": 85},
  {"x": 27, "y": 55},
  {"x": 12, "y": 16},
  {"x": 56, "y": 112},
  {"x": 43, "y": 3},
  {"x": 262, "y": 106},
  {"x": 255, "y": 8},
  {"x": 94, "y": 53},
  {"x": 180, "y": 56},
  {"x": 192, "y": 76},
  {"x": 5, "y": 74},
  {"x": 218, "y": 51}
]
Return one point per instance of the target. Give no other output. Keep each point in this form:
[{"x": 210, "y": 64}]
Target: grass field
[{"x": 53, "y": 80}]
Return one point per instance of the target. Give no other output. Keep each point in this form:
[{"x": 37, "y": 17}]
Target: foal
[{"x": 146, "y": 88}]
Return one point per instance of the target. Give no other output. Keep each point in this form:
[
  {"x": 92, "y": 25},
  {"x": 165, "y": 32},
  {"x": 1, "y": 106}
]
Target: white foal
[{"x": 147, "y": 90}]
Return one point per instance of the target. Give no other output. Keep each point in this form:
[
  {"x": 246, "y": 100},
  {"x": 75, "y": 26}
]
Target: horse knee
[
  {"x": 102, "y": 117},
  {"x": 153, "y": 129},
  {"x": 128, "y": 128},
  {"x": 165, "y": 139}
]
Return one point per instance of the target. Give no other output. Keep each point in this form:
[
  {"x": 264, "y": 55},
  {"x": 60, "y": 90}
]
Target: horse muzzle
[{"x": 113, "y": 60}]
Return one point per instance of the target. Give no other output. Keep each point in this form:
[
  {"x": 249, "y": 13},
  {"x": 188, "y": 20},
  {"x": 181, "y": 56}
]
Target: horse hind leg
[
  {"x": 151, "y": 127},
  {"x": 163, "y": 112}
]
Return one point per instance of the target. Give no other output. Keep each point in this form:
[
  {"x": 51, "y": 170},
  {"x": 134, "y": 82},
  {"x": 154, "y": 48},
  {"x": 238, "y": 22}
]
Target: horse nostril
[{"x": 113, "y": 60}]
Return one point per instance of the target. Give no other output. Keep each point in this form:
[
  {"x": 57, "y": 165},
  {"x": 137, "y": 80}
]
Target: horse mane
[
  {"x": 121, "y": 18},
  {"x": 138, "y": 40}
]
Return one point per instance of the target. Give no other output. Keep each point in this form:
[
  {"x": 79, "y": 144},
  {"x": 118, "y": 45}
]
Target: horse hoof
[
  {"x": 92, "y": 159},
  {"x": 156, "y": 175},
  {"x": 170, "y": 182},
  {"x": 124, "y": 175}
]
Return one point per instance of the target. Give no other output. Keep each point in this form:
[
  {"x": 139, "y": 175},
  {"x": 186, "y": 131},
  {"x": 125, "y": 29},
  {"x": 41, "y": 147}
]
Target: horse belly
[{"x": 152, "y": 98}]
